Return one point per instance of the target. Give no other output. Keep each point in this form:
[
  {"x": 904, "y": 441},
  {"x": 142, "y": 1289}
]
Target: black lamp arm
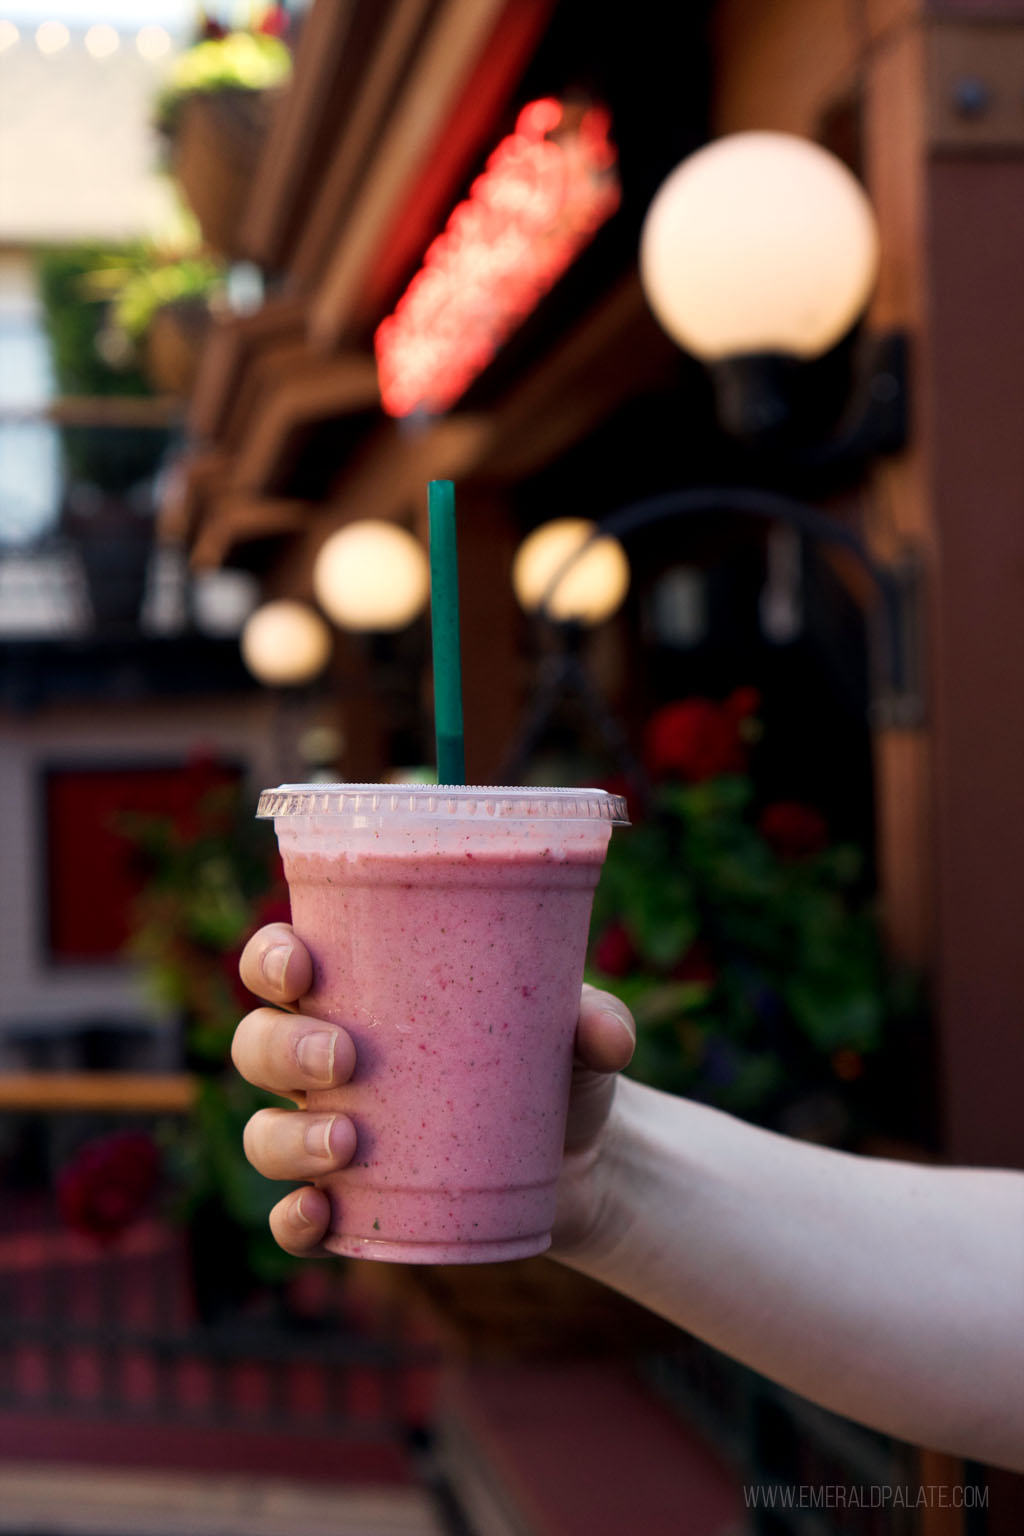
[{"x": 896, "y": 585}]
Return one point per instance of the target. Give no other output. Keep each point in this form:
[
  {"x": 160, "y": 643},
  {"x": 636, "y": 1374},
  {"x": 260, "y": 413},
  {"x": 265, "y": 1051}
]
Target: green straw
[{"x": 444, "y": 624}]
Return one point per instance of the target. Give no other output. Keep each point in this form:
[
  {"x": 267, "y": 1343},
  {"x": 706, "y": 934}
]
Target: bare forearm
[{"x": 890, "y": 1292}]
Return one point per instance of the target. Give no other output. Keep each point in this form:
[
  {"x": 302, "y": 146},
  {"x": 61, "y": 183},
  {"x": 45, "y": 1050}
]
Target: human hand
[{"x": 288, "y": 1053}]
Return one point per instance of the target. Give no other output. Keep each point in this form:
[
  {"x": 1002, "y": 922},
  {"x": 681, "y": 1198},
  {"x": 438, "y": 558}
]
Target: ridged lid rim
[{"x": 452, "y": 801}]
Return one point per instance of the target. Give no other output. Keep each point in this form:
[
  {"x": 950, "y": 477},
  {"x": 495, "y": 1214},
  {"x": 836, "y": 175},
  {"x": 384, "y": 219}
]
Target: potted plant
[
  {"x": 77, "y": 285},
  {"x": 215, "y": 112},
  {"x": 162, "y": 308},
  {"x": 211, "y": 877},
  {"x": 743, "y": 938}
]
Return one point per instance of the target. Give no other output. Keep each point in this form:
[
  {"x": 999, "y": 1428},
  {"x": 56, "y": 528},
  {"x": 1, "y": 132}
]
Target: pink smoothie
[{"x": 457, "y": 972}]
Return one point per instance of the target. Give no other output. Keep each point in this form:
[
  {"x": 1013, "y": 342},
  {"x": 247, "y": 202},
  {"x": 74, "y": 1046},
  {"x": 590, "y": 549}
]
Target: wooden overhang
[{"x": 391, "y": 106}]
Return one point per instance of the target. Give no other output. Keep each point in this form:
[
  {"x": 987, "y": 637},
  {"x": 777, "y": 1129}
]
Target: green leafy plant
[
  {"x": 743, "y": 941},
  {"x": 76, "y": 285},
  {"x": 152, "y": 285},
  {"x": 99, "y": 302},
  {"x": 240, "y": 61},
  {"x": 211, "y": 878}
]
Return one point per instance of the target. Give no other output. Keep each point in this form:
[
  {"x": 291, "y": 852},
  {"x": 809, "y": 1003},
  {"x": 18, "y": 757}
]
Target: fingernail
[
  {"x": 315, "y": 1055},
  {"x": 623, "y": 1021},
  {"x": 300, "y": 1213},
  {"x": 274, "y": 965},
  {"x": 318, "y": 1137}
]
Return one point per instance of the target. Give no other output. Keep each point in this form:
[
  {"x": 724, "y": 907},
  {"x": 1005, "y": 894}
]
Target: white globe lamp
[
  {"x": 371, "y": 575},
  {"x": 285, "y": 643},
  {"x": 547, "y": 576},
  {"x": 759, "y": 243}
]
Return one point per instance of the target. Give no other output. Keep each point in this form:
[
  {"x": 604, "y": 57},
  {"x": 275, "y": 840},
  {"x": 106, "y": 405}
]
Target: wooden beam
[
  {"x": 184, "y": 500},
  {"x": 232, "y": 345},
  {"x": 324, "y": 387},
  {"x": 232, "y": 520},
  {"x": 475, "y": 119},
  {"x": 454, "y": 43},
  {"x": 172, "y": 1093},
  {"x": 142, "y": 411},
  {"x": 354, "y": 148},
  {"x": 616, "y": 353},
  {"x": 781, "y": 63},
  {"x": 285, "y": 163},
  {"x": 265, "y": 374}
]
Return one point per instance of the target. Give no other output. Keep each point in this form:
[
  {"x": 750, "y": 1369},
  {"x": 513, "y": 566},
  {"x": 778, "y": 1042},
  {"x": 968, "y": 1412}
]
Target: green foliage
[
  {"x": 75, "y": 285},
  {"x": 243, "y": 61},
  {"x": 210, "y": 881},
  {"x": 153, "y": 286},
  {"x": 754, "y": 977},
  {"x": 74, "y": 304}
]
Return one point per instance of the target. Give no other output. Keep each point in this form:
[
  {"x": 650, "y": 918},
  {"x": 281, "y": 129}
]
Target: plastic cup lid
[{"x": 455, "y": 802}]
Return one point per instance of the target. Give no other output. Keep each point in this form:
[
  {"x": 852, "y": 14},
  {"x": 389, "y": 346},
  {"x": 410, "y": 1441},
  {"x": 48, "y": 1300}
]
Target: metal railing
[{"x": 113, "y": 1332}]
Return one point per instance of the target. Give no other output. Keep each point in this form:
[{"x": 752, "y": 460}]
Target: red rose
[
  {"x": 109, "y": 1183},
  {"x": 614, "y": 953},
  {"x": 695, "y": 739},
  {"x": 792, "y": 830}
]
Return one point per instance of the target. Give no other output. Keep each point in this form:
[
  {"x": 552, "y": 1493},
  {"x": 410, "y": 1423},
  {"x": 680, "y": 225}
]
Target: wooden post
[{"x": 948, "y": 189}]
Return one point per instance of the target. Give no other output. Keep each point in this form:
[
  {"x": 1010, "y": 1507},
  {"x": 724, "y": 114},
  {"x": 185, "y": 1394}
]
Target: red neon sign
[{"x": 545, "y": 191}]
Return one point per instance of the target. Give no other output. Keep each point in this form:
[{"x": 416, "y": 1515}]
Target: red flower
[
  {"x": 742, "y": 703},
  {"x": 614, "y": 953},
  {"x": 108, "y": 1185},
  {"x": 792, "y": 830},
  {"x": 695, "y": 739},
  {"x": 274, "y": 22}
]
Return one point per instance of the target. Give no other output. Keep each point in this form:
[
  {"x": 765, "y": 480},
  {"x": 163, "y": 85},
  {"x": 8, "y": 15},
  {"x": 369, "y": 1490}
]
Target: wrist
[{"x": 600, "y": 1208}]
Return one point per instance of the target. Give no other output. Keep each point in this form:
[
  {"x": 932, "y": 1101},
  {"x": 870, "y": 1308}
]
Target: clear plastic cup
[{"x": 448, "y": 930}]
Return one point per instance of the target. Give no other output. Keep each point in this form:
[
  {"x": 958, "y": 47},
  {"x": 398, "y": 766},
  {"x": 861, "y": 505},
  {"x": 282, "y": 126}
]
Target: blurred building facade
[
  {"x": 394, "y": 108},
  {"x": 114, "y": 673},
  {"x": 325, "y": 211},
  {"x": 586, "y": 406}
]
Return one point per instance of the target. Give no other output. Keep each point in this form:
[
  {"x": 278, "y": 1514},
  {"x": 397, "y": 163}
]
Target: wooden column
[
  {"x": 948, "y": 189},
  {"x": 977, "y": 468}
]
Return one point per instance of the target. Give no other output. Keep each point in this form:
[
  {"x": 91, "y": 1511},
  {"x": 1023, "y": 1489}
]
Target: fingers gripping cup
[{"x": 447, "y": 928}]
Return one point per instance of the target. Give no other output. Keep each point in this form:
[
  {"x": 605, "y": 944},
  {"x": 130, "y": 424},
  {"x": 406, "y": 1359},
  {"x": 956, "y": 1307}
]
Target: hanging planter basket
[
  {"x": 218, "y": 137},
  {"x": 174, "y": 343}
]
